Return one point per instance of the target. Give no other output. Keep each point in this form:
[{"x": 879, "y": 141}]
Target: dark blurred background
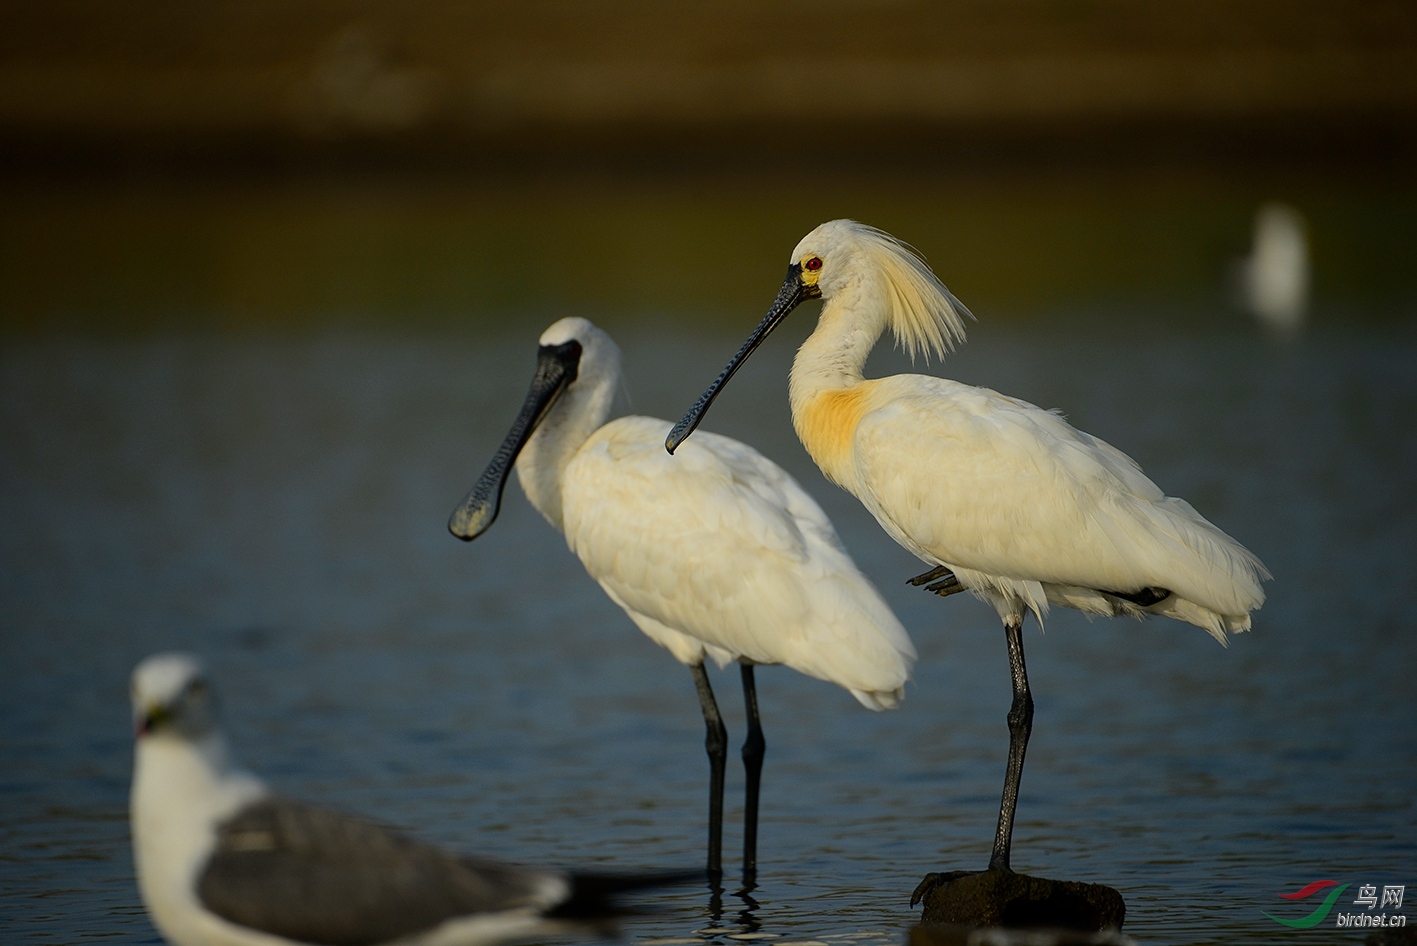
[
  {"x": 271, "y": 275},
  {"x": 263, "y": 163}
]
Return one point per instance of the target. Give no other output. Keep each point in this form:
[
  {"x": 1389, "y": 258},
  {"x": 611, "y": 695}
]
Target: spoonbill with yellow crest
[
  {"x": 999, "y": 497},
  {"x": 715, "y": 554}
]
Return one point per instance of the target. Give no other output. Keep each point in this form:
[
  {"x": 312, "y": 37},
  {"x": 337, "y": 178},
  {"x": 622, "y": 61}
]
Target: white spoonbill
[
  {"x": 1001, "y": 498},
  {"x": 222, "y": 861},
  {"x": 718, "y": 553}
]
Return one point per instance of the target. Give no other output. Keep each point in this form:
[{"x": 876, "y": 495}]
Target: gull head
[{"x": 171, "y": 698}]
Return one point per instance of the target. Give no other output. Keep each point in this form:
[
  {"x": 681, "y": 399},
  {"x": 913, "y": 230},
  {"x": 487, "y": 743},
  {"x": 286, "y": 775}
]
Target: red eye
[{"x": 813, "y": 264}]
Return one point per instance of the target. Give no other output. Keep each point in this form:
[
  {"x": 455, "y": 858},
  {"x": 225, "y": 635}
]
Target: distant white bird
[
  {"x": 223, "y": 862},
  {"x": 1275, "y": 276},
  {"x": 718, "y": 553},
  {"x": 1004, "y": 499}
]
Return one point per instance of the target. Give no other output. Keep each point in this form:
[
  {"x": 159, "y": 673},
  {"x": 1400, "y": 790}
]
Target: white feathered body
[
  {"x": 182, "y": 790},
  {"x": 1028, "y": 510},
  {"x": 1024, "y": 509},
  {"x": 715, "y": 551}
]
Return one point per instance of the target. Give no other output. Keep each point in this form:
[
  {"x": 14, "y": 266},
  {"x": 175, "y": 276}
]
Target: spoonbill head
[
  {"x": 572, "y": 350},
  {"x": 1000, "y": 497},
  {"x": 717, "y": 553},
  {"x": 846, "y": 260}
]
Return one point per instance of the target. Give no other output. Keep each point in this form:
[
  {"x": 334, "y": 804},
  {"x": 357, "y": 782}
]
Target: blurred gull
[
  {"x": 222, "y": 860},
  {"x": 1275, "y": 276}
]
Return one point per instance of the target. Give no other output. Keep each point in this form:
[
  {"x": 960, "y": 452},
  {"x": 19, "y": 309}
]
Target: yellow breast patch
[{"x": 827, "y": 424}]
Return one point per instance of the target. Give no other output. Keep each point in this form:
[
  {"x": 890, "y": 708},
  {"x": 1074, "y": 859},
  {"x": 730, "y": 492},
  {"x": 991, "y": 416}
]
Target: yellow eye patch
[{"x": 811, "y": 269}]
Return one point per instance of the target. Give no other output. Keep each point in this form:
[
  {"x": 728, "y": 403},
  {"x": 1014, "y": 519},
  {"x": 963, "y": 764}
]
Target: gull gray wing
[{"x": 323, "y": 877}]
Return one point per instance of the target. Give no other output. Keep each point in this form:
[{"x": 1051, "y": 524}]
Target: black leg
[
  {"x": 1020, "y": 725},
  {"x": 754, "y": 747},
  {"x": 716, "y": 742}
]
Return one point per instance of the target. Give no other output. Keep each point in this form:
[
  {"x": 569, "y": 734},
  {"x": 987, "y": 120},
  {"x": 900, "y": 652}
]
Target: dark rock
[
  {"x": 996, "y": 898},
  {"x": 1401, "y": 936}
]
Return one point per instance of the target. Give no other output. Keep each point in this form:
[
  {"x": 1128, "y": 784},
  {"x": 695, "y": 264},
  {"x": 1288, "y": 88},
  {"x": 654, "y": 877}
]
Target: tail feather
[{"x": 594, "y": 896}]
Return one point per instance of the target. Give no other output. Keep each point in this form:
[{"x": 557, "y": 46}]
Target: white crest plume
[{"x": 924, "y": 316}]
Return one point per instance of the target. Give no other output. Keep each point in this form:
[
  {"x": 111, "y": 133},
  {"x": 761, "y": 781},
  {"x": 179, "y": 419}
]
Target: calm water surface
[{"x": 277, "y": 504}]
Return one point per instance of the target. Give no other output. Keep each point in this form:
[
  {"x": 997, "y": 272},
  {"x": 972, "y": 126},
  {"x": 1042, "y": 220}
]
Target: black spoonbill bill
[
  {"x": 716, "y": 553},
  {"x": 999, "y": 497},
  {"x": 221, "y": 861}
]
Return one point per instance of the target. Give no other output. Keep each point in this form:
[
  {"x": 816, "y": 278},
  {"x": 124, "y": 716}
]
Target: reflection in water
[{"x": 277, "y": 504}]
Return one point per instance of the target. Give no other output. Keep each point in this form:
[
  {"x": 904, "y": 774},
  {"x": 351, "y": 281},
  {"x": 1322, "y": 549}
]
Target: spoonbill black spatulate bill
[
  {"x": 715, "y": 553},
  {"x": 222, "y": 861},
  {"x": 999, "y": 497}
]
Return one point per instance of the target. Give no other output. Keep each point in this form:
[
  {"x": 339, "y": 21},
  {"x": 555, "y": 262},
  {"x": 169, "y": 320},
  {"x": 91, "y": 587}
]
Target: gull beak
[
  {"x": 792, "y": 294},
  {"x": 555, "y": 369},
  {"x": 151, "y": 717}
]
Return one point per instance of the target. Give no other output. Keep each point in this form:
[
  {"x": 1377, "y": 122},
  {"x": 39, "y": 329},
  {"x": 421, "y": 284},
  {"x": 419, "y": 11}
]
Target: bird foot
[
  {"x": 946, "y": 587},
  {"x": 939, "y": 571},
  {"x": 1144, "y": 598},
  {"x": 947, "y": 584}
]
